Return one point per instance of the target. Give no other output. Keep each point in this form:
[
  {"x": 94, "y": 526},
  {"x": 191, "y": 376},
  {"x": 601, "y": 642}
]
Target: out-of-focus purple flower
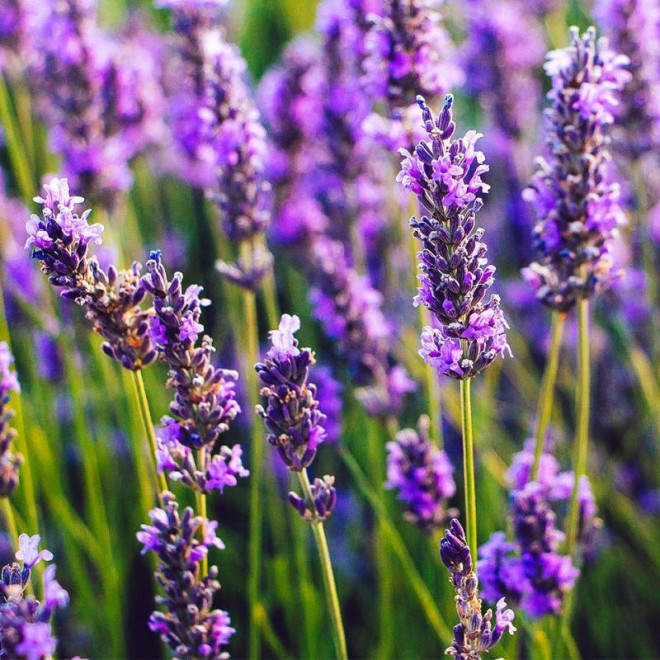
[
  {"x": 188, "y": 625},
  {"x": 500, "y": 570},
  {"x": 25, "y": 629},
  {"x": 292, "y": 416},
  {"x": 9, "y": 462},
  {"x": 573, "y": 192},
  {"x": 445, "y": 176},
  {"x": 633, "y": 29},
  {"x": 112, "y": 300},
  {"x": 330, "y": 402},
  {"x": 475, "y": 634},
  {"x": 422, "y": 475},
  {"x": 408, "y": 52}
]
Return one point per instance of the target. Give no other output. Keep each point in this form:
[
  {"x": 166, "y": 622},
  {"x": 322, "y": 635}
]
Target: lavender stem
[
  {"x": 326, "y": 569},
  {"x": 546, "y": 394},
  {"x": 200, "y": 497},
  {"x": 468, "y": 466}
]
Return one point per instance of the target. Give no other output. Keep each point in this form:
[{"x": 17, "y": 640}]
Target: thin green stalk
[
  {"x": 200, "y": 498},
  {"x": 546, "y": 394},
  {"x": 468, "y": 467},
  {"x": 256, "y": 450},
  {"x": 410, "y": 569},
  {"x": 326, "y": 570},
  {"x": 145, "y": 414},
  {"x": 582, "y": 431}
]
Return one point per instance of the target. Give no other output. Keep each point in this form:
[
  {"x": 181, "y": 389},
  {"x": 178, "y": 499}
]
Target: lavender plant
[
  {"x": 295, "y": 428},
  {"x": 25, "y": 623}
]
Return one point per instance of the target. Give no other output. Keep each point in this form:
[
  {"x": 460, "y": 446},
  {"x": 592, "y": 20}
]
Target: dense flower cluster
[
  {"x": 60, "y": 240},
  {"x": 408, "y": 52},
  {"x": 205, "y": 403},
  {"x": 531, "y": 571},
  {"x": 475, "y": 633},
  {"x": 25, "y": 628},
  {"x": 97, "y": 96},
  {"x": 422, "y": 475},
  {"x": 292, "y": 417},
  {"x": 573, "y": 193},
  {"x": 9, "y": 463},
  {"x": 218, "y": 133},
  {"x": 633, "y": 29},
  {"x": 500, "y": 57},
  {"x": 445, "y": 175},
  {"x": 188, "y": 626}
]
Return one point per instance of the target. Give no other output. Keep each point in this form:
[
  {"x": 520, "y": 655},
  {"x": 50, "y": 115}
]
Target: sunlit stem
[{"x": 468, "y": 468}]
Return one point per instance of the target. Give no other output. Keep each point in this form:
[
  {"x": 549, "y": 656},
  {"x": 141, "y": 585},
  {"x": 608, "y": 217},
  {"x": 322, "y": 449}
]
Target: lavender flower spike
[
  {"x": 291, "y": 416},
  {"x": 474, "y": 634},
  {"x": 423, "y": 476},
  {"x": 445, "y": 175},
  {"x": 573, "y": 193},
  {"x": 9, "y": 463}
]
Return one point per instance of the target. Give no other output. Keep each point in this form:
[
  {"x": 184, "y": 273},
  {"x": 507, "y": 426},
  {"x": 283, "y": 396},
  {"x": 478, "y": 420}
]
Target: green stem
[
  {"x": 254, "y": 550},
  {"x": 326, "y": 570},
  {"x": 145, "y": 414},
  {"x": 468, "y": 468},
  {"x": 201, "y": 506},
  {"x": 582, "y": 431},
  {"x": 546, "y": 394}
]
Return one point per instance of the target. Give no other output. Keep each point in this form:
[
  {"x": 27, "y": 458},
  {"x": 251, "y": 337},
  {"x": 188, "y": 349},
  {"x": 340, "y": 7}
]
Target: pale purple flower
[{"x": 28, "y": 551}]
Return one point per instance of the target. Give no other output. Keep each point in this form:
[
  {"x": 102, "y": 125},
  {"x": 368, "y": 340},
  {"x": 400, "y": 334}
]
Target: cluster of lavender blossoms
[
  {"x": 60, "y": 240},
  {"x": 532, "y": 571},
  {"x": 204, "y": 403},
  {"x": 220, "y": 140},
  {"x": 422, "y": 474},
  {"x": 25, "y": 628},
  {"x": 445, "y": 175},
  {"x": 573, "y": 192},
  {"x": 97, "y": 96},
  {"x": 292, "y": 417},
  {"x": 189, "y": 626},
  {"x": 475, "y": 633},
  {"x": 9, "y": 463}
]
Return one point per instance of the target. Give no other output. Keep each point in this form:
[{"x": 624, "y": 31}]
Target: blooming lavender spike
[
  {"x": 292, "y": 418},
  {"x": 9, "y": 463},
  {"x": 573, "y": 192},
  {"x": 204, "y": 403},
  {"x": 60, "y": 240},
  {"x": 423, "y": 476},
  {"x": 445, "y": 175},
  {"x": 25, "y": 628},
  {"x": 188, "y": 625},
  {"x": 475, "y": 633}
]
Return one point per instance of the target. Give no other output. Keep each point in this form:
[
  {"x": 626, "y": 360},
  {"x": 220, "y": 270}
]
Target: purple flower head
[
  {"x": 475, "y": 633},
  {"x": 292, "y": 417},
  {"x": 54, "y": 594},
  {"x": 573, "y": 191},
  {"x": 324, "y": 498},
  {"x": 329, "y": 396},
  {"x": 445, "y": 175},
  {"x": 28, "y": 551},
  {"x": 38, "y": 641},
  {"x": 422, "y": 475},
  {"x": 500, "y": 570},
  {"x": 188, "y": 625}
]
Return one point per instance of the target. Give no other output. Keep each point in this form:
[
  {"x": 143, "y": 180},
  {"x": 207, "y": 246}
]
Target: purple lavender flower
[
  {"x": 9, "y": 463},
  {"x": 204, "y": 404},
  {"x": 112, "y": 300},
  {"x": 292, "y": 418},
  {"x": 188, "y": 625},
  {"x": 329, "y": 397},
  {"x": 408, "y": 52},
  {"x": 633, "y": 28},
  {"x": 25, "y": 628},
  {"x": 574, "y": 195},
  {"x": 324, "y": 496},
  {"x": 474, "y": 634},
  {"x": 422, "y": 475},
  {"x": 445, "y": 176}
]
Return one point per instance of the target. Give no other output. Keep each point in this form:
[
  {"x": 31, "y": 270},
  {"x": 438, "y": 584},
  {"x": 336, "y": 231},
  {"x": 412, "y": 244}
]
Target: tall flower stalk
[
  {"x": 468, "y": 333},
  {"x": 295, "y": 428}
]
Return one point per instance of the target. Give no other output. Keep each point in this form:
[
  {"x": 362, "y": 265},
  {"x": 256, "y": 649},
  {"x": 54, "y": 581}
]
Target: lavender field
[{"x": 330, "y": 329}]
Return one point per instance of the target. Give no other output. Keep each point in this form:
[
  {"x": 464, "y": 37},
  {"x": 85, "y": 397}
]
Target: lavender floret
[
  {"x": 324, "y": 496},
  {"x": 188, "y": 625},
  {"x": 445, "y": 175},
  {"x": 422, "y": 475},
  {"x": 475, "y": 633},
  {"x": 573, "y": 191}
]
